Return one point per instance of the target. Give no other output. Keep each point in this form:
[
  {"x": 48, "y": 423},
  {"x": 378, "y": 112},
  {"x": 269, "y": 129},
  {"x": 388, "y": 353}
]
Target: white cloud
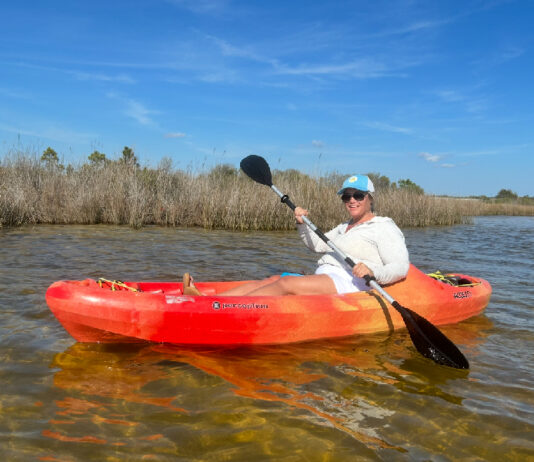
[
  {"x": 135, "y": 109},
  {"x": 388, "y": 128},
  {"x": 318, "y": 143},
  {"x": 429, "y": 157},
  {"x": 175, "y": 135},
  {"x": 361, "y": 69},
  {"x": 435, "y": 158},
  {"x": 121, "y": 78},
  {"x": 219, "y": 76},
  {"x": 476, "y": 106},
  {"x": 80, "y": 75},
  {"x": 201, "y": 6},
  {"x": 413, "y": 27},
  {"x": 500, "y": 57},
  {"x": 228, "y": 49},
  {"x": 471, "y": 103},
  {"x": 139, "y": 112}
]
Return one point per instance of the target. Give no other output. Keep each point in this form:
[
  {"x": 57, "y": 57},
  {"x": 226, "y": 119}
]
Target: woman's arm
[
  {"x": 314, "y": 242},
  {"x": 311, "y": 240}
]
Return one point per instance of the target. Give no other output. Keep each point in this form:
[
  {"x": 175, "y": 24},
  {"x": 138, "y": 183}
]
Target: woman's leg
[
  {"x": 297, "y": 285},
  {"x": 248, "y": 287}
]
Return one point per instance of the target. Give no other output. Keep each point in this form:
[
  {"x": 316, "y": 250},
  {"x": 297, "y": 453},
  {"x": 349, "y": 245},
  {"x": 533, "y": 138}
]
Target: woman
[{"x": 375, "y": 243}]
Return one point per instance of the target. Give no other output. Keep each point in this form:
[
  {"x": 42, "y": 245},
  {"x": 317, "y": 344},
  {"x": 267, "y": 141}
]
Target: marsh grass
[{"x": 122, "y": 194}]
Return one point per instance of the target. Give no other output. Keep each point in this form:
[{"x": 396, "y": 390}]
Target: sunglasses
[{"x": 356, "y": 195}]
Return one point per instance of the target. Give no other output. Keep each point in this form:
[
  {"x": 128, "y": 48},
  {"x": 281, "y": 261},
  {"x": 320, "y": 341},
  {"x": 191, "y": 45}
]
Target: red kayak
[{"x": 106, "y": 311}]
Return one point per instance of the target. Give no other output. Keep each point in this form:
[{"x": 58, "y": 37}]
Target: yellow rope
[
  {"x": 115, "y": 284},
  {"x": 450, "y": 279}
]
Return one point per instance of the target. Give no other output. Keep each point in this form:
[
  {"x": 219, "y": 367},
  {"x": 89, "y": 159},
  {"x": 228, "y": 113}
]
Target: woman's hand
[
  {"x": 299, "y": 213},
  {"x": 360, "y": 270}
]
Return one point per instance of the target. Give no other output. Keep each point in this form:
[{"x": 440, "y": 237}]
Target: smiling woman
[{"x": 374, "y": 243}]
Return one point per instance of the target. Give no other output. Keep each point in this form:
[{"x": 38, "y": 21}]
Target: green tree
[
  {"x": 507, "y": 195},
  {"x": 410, "y": 186},
  {"x": 380, "y": 182},
  {"x": 49, "y": 156},
  {"x": 290, "y": 175},
  {"x": 223, "y": 171},
  {"x": 129, "y": 157},
  {"x": 51, "y": 159},
  {"x": 97, "y": 158}
]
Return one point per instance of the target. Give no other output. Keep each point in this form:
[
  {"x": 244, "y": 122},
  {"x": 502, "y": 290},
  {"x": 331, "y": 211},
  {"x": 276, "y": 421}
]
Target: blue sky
[{"x": 440, "y": 92}]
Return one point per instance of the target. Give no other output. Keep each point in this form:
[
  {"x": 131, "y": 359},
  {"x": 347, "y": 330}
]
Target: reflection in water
[{"x": 334, "y": 386}]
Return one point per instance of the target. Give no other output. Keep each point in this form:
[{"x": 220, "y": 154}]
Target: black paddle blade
[
  {"x": 257, "y": 168},
  {"x": 430, "y": 341}
]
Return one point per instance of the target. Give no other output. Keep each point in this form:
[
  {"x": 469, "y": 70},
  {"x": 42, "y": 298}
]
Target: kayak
[{"x": 112, "y": 311}]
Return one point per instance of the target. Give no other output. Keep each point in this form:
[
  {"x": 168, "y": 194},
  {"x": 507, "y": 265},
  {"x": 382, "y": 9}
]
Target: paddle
[{"x": 426, "y": 337}]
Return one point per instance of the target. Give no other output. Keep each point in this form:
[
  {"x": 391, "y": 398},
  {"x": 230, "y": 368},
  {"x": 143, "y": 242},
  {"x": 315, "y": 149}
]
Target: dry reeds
[{"x": 32, "y": 192}]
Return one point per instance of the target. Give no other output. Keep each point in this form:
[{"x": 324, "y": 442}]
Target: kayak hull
[{"x": 160, "y": 312}]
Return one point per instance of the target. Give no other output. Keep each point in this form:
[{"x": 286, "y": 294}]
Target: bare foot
[{"x": 189, "y": 286}]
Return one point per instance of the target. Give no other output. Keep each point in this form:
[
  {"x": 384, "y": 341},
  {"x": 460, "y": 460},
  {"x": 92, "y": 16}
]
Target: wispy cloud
[
  {"x": 286, "y": 57},
  {"x": 430, "y": 157},
  {"x": 139, "y": 112},
  {"x": 121, "y": 78},
  {"x": 486, "y": 152},
  {"x": 435, "y": 158},
  {"x": 361, "y": 69},
  {"x": 500, "y": 56},
  {"x": 17, "y": 94},
  {"x": 450, "y": 96},
  {"x": 49, "y": 131},
  {"x": 388, "y": 128},
  {"x": 175, "y": 135},
  {"x": 510, "y": 53},
  {"x": 318, "y": 143},
  {"x": 230, "y": 50},
  {"x": 477, "y": 106},
  {"x": 134, "y": 109},
  {"x": 474, "y": 104},
  {"x": 80, "y": 75},
  {"x": 219, "y": 76},
  {"x": 409, "y": 28},
  {"x": 201, "y": 6},
  {"x": 18, "y": 130}
]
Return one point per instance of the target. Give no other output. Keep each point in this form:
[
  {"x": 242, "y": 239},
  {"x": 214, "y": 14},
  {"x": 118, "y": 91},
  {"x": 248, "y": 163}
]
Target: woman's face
[{"x": 356, "y": 206}]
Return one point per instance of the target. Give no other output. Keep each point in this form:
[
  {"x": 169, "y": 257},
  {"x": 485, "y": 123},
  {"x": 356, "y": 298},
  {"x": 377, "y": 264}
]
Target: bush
[{"x": 34, "y": 191}]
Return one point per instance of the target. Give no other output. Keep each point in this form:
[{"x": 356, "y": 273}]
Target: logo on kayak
[
  {"x": 464, "y": 294},
  {"x": 242, "y": 306}
]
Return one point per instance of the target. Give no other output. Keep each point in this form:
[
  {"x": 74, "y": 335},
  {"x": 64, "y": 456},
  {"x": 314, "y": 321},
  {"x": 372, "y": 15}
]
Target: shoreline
[{"x": 118, "y": 193}]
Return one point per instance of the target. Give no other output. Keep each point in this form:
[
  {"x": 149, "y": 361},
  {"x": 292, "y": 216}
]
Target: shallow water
[{"x": 366, "y": 398}]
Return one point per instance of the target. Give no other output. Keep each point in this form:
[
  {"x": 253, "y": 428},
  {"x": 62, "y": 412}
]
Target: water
[{"x": 367, "y": 398}]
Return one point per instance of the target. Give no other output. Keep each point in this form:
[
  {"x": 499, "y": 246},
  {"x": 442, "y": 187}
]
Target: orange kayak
[{"x": 97, "y": 311}]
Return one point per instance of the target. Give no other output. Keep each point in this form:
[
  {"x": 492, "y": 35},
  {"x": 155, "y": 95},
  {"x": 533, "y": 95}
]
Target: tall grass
[{"x": 122, "y": 194}]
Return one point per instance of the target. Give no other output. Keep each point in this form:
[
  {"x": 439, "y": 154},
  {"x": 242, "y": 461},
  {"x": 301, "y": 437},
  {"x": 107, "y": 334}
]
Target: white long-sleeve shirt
[{"x": 378, "y": 243}]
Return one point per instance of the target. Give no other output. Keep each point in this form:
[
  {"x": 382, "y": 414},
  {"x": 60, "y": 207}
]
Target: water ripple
[{"x": 363, "y": 398}]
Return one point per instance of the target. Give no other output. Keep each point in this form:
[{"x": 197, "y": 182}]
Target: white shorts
[{"x": 344, "y": 281}]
